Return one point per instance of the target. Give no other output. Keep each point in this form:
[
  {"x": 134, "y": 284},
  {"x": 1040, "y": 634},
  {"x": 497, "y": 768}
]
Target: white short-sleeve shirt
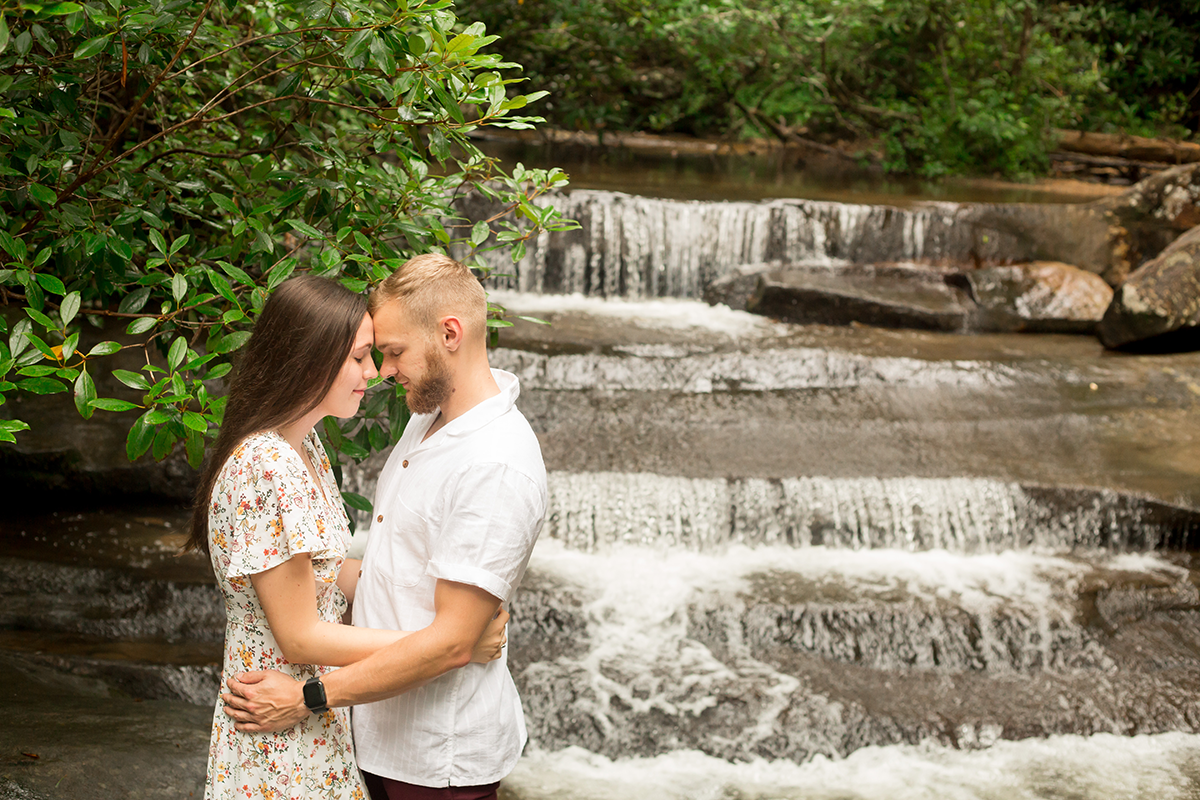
[{"x": 466, "y": 506}]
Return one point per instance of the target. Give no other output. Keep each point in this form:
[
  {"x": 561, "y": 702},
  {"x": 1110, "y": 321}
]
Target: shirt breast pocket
[{"x": 409, "y": 546}]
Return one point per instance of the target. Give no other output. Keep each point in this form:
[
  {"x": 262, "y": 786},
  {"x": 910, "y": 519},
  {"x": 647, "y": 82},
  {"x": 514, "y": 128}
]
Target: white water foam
[
  {"x": 666, "y": 313},
  {"x": 1100, "y": 767},
  {"x": 637, "y": 588},
  {"x": 643, "y": 656}
]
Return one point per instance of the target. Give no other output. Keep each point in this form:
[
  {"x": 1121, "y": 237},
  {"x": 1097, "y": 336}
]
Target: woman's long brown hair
[{"x": 299, "y": 344}]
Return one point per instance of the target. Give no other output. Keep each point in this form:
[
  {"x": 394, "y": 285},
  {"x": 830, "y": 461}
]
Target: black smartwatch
[{"x": 314, "y": 696}]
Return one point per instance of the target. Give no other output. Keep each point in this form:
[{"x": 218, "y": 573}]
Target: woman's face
[{"x": 351, "y": 383}]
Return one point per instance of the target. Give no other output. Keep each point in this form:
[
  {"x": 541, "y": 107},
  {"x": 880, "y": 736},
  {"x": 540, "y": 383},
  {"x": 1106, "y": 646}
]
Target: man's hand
[
  {"x": 260, "y": 702},
  {"x": 491, "y": 644}
]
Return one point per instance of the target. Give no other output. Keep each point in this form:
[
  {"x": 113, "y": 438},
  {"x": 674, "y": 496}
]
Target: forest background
[{"x": 931, "y": 86}]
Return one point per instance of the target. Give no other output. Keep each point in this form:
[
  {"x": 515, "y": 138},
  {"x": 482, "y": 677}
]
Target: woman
[{"x": 269, "y": 515}]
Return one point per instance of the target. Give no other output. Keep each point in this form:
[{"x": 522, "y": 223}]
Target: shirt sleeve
[
  {"x": 273, "y": 517},
  {"x": 494, "y": 516}
]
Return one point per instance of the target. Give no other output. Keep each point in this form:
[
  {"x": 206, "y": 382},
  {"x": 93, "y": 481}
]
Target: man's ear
[{"x": 450, "y": 329}]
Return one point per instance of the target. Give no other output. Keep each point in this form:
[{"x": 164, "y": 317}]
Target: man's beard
[{"x": 424, "y": 396}]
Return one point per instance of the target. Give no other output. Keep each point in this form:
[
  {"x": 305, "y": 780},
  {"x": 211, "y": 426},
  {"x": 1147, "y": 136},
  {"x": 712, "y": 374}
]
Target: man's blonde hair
[{"x": 433, "y": 286}]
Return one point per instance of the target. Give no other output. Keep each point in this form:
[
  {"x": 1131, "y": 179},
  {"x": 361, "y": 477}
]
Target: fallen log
[{"x": 1133, "y": 148}]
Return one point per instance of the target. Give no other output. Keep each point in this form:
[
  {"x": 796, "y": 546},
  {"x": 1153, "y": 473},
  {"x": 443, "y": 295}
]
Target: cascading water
[{"x": 639, "y": 247}]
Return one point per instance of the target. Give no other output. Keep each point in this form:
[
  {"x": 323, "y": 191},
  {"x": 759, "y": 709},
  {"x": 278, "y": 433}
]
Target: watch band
[{"x": 314, "y": 695}]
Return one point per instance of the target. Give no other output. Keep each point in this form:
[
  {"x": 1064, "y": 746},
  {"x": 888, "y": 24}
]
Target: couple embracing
[{"x": 457, "y": 510}]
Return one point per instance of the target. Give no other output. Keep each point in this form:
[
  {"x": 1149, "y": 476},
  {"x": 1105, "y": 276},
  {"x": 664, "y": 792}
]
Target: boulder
[
  {"x": 884, "y": 295},
  {"x": 1041, "y": 297},
  {"x": 1144, "y": 220},
  {"x": 1161, "y": 298},
  {"x": 736, "y": 288}
]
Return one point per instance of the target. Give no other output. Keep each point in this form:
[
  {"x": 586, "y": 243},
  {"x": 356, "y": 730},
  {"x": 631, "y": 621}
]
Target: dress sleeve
[
  {"x": 272, "y": 510},
  {"x": 494, "y": 516}
]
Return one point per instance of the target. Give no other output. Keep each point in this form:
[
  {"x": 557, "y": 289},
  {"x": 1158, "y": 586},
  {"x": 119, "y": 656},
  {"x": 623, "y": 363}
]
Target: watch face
[{"x": 314, "y": 693}]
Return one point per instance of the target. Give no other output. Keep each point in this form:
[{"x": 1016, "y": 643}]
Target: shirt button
[
  {"x": 379, "y": 518},
  {"x": 404, "y": 463}
]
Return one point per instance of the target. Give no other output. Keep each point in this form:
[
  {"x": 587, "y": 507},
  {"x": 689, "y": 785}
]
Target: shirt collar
[{"x": 483, "y": 413}]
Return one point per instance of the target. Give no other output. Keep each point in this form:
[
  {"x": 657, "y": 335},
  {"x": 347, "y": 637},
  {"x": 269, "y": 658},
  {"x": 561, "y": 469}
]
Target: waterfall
[
  {"x": 592, "y": 512},
  {"x": 643, "y": 247}
]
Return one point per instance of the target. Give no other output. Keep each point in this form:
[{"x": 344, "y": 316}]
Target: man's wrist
[{"x": 312, "y": 694}]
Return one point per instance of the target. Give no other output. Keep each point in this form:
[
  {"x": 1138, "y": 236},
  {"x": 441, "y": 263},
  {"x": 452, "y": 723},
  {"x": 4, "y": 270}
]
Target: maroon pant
[{"x": 388, "y": 789}]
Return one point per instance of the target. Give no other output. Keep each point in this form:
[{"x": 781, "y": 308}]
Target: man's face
[{"x": 413, "y": 358}]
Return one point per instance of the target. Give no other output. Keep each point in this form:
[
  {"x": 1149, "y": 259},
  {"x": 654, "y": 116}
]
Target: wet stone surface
[{"x": 70, "y": 737}]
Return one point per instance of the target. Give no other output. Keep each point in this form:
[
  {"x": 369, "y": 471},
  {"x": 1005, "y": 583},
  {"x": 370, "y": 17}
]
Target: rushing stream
[{"x": 779, "y": 561}]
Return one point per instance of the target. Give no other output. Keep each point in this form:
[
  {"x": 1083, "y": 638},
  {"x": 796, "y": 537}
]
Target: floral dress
[{"x": 264, "y": 509}]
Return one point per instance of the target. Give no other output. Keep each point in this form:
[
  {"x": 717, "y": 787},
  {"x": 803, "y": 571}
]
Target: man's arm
[{"x": 269, "y": 701}]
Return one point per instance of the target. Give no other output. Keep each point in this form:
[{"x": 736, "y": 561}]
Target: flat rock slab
[
  {"x": 67, "y": 737},
  {"x": 882, "y": 295}
]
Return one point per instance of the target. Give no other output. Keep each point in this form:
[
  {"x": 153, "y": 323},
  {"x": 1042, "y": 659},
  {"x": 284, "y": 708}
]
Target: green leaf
[
  {"x": 69, "y": 308},
  {"x": 176, "y": 353},
  {"x": 179, "y": 287},
  {"x": 180, "y": 243},
  {"x": 219, "y": 371},
  {"x": 159, "y": 241},
  {"x": 134, "y": 301},
  {"x": 42, "y": 385},
  {"x": 231, "y": 342},
  {"x": 195, "y": 421},
  {"x": 480, "y": 233},
  {"x": 42, "y": 194},
  {"x": 280, "y": 273},
  {"x": 51, "y": 283},
  {"x": 113, "y": 404},
  {"x": 40, "y": 346},
  {"x": 41, "y": 319},
  {"x": 194, "y": 443},
  {"x": 104, "y": 349},
  {"x": 85, "y": 393},
  {"x": 164, "y": 443},
  {"x": 4, "y": 34},
  {"x": 303, "y": 227},
  {"x": 357, "y": 502},
  {"x": 239, "y": 275},
  {"x": 37, "y": 371},
  {"x": 14, "y": 247},
  {"x": 69, "y": 345},
  {"x": 134, "y": 380},
  {"x": 61, "y": 9},
  {"x": 224, "y": 203},
  {"x": 141, "y": 436},
  {"x": 92, "y": 46},
  {"x": 141, "y": 325},
  {"x": 221, "y": 285}
]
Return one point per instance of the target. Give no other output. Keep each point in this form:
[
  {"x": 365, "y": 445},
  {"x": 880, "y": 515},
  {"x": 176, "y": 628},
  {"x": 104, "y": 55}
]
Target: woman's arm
[{"x": 288, "y": 596}]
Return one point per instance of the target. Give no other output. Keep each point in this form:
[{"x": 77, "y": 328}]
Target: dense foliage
[
  {"x": 165, "y": 164},
  {"x": 934, "y": 85}
]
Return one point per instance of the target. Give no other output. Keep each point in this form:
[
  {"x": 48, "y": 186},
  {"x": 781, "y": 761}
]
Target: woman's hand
[{"x": 491, "y": 644}]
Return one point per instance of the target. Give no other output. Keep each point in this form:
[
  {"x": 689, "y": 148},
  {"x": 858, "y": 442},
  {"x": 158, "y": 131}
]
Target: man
[{"x": 458, "y": 508}]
